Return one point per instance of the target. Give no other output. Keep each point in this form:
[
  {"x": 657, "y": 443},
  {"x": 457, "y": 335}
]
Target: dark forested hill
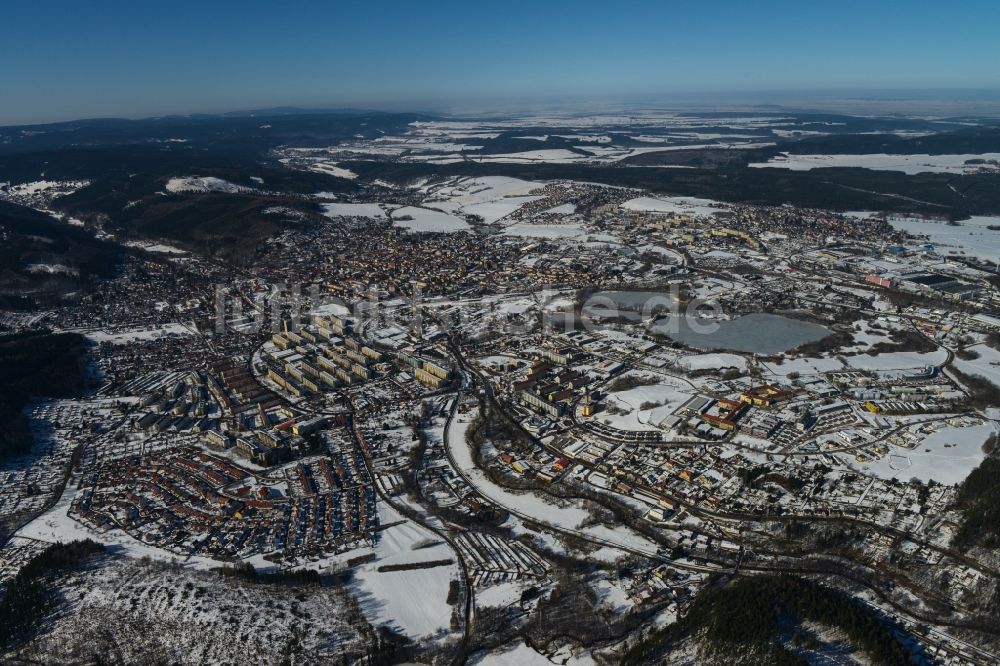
[
  {"x": 42, "y": 258},
  {"x": 35, "y": 365},
  {"x": 761, "y": 620}
]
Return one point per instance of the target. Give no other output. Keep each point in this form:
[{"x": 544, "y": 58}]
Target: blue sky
[{"x": 77, "y": 59}]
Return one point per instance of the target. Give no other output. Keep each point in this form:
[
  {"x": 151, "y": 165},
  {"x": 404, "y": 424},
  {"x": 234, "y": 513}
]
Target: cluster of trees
[
  {"x": 246, "y": 571},
  {"x": 757, "y": 476},
  {"x": 904, "y": 340},
  {"x": 982, "y": 392},
  {"x": 413, "y": 566},
  {"x": 749, "y": 621},
  {"x": 629, "y": 382},
  {"x": 829, "y": 343},
  {"x": 30, "y": 595},
  {"x": 34, "y": 365},
  {"x": 967, "y": 354},
  {"x": 979, "y": 500},
  {"x": 748, "y": 475}
]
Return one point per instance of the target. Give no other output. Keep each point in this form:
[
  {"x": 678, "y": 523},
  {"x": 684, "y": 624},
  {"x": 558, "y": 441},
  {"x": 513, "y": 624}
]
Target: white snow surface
[
  {"x": 204, "y": 184},
  {"x": 353, "y": 210},
  {"x": 932, "y": 458},
  {"x": 909, "y": 164},
  {"x": 528, "y": 230},
  {"x": 987, "y": 365},
  {"x": 971, "y": 237},
  {"x": 123, "y": 336},
  {"x": 897, "y": 360},
  {"x": 425, "y": 219},
  {"x": 415, "y": 601},
  {"x": 333, "y": 170},
  {"x": 675, "y": 205},
  {"x": 490, "y": 197}
]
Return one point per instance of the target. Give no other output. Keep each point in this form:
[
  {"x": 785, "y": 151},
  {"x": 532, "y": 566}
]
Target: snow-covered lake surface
[{"x": 760, "y": 333}]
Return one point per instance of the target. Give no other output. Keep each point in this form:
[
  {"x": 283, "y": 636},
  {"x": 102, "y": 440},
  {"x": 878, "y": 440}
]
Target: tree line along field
[
  {"x": 979, "y": 499},
  {"x": 843, "y": 189}
]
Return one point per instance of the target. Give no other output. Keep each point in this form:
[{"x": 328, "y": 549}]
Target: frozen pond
[
  {"x": 760, "y": 333},
  {"x": 627, "y": 305}
]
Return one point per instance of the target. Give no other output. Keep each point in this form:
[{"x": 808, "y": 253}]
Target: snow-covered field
[
  {"x": 57, "y": 526},
  {"x": 518, "y": 653},
  {"x": 159, "y": 248},
  {"x": 412, "y": 602},
  {"x": 987, "y": 365},
  {"x": 711, "y": 361},
  {"x": 204, "y": 184},
  {"x": 123, "y": 336},
  {"x": 946, "y": 456},
  {"x": 51, "y": 269},
  {"x": 332, "y": 169},
  {"x": 452, "y": 142},
  {"x": 491, "y": 211},
  {"x": 549, "y": 155},
  {"x": 564, "y": 209},
  {"x": 909, "y": 164},
  {"x": 666, "y": 396},
  {"x": 897, "y": 360},
  {"x": 41, "y": 190},
  {"x": 529, "y": 230},
  {"x": 353, "y": 210},
  {"x": 334, "y": 307},
  {"x": 490, "y": 197},
  {"x": 675, "y": 205},
  {"x": 425, "y": 219},
  {"x": 803, "y": 366},
  {"x": 971, "y": 237}
]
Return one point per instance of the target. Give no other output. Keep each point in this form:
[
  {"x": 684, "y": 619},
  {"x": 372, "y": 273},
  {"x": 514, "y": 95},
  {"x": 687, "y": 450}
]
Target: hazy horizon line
[{"x": 978, "y": 101}]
